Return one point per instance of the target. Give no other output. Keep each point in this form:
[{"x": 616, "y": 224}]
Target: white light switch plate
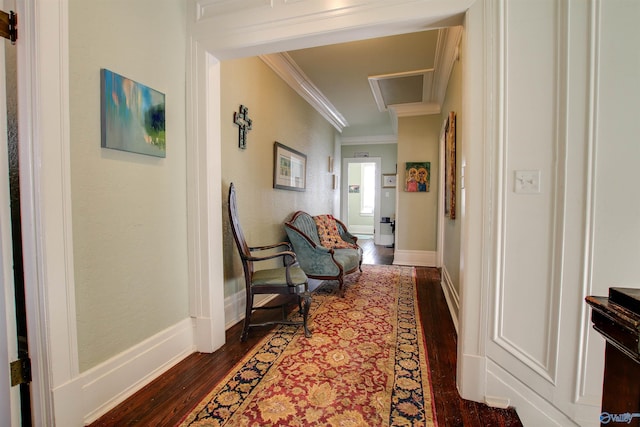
[{"x": 527, "y": 182}]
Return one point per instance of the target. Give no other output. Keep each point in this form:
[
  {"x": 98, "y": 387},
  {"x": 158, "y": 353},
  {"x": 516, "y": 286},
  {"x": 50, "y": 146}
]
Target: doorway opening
[{"x": 361, "y": 196}]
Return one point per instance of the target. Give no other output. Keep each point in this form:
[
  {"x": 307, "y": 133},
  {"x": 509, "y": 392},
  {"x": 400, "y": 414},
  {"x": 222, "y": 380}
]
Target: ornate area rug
[{"x": 366, "y": 364}]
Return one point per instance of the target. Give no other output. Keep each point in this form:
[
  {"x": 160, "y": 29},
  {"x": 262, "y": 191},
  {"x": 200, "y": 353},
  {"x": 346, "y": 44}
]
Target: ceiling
[{"x": 362, "y": 87}]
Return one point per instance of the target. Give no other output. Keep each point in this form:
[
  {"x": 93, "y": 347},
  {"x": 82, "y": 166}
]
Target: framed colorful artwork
[
  {"x": 132, "y": 116},
  {"x": 289, "y": 168},
  {"x": 450, "y": 166},
  {"x": 417, "y": 177}
]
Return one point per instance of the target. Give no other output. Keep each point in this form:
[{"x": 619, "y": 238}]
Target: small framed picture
[
  {"x": 289, "y": 168},
  {"x": 389, "y": 180}
]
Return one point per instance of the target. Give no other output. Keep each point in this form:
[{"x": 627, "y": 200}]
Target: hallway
[{"x": 169, "y": 398}]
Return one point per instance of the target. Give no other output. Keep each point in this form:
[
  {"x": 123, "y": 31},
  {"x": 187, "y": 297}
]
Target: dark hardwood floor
[{"x": 169, "y": 398}]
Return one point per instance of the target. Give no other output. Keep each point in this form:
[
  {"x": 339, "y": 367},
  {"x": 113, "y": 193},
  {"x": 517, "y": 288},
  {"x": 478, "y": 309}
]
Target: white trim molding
[
  {"x": 416, "y": 258},
  {"x": 447, "y": 53},
  {"x": 234, "y": 306},
  {"x": 531, "y": 407},
  {"x": 98, "y": 390},
  {"x": 204, "y": 201},
  {"x": 451, "y": 295},
  {"x": 285, "y": 67},
  {"x": 45, "y": 185},
  {"x": 247, "y": 29},
  {"x": 369, "y": 140},
  {"x": 361, "y": 229}
]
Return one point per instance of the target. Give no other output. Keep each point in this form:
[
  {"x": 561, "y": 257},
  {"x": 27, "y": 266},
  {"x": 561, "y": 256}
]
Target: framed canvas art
[
  {"x": 417, "y": 177},
  {"x": 450, "y": 166},
  {"x": 132, "y": 116}
]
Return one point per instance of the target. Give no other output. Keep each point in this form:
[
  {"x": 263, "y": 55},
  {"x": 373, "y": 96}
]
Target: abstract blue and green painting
[{"x": 132, "y": 115}]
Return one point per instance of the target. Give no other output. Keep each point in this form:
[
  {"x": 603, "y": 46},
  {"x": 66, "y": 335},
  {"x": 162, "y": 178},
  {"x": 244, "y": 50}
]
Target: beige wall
[
  {"x": 129, "y": 210},
  {"x": 278, "y": 114},
  {"x": 451, "y": 245},
  {"x": 417, "y": 217}
]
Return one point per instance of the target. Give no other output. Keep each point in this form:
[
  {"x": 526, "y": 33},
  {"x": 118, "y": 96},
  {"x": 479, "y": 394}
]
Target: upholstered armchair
[{"x": 318, "y": 261}]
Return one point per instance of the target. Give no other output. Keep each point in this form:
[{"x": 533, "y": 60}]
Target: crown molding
[
  {"x": 242, "y": 28},
  {"x": 415, "y": 109},
  {"x": 285, "y": 67},
  {"x": 446, "y": 55},
  {"x": 369, "y": 140}
]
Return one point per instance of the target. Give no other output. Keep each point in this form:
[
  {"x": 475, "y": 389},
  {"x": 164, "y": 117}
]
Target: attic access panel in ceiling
[
  {"x": 340, "y": 73},
  {"x": 401, "y": 88}
]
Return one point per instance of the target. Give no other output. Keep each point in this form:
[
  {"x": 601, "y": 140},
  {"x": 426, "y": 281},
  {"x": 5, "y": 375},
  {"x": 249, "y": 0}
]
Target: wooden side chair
[{"x": 286, "y": 280}]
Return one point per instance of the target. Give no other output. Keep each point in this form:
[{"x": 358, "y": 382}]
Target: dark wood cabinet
[{"x": 617, "y": 319}]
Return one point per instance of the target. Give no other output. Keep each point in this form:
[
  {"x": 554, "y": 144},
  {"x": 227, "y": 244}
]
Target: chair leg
[
  {"x": 247, "y": 317},
  {"x": 306, "y": 297},
  {"x": 341, "y": 286}
]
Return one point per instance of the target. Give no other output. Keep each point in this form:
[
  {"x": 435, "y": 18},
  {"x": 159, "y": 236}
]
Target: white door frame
[
  {"x": 45, "y": 187},
  {"x": 344, "y": 191},
  {"x": 9, "y": 396},
  {"x": 215, "y": 38},
  {"x": 441, "y": 184}
]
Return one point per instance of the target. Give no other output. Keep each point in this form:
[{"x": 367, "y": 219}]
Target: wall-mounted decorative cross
[{"x": 244, "y": 125}]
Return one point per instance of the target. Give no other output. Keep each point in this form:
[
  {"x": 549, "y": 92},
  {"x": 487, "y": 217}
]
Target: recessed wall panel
[
  {"x": 616, "y": 215},
  {"x": 526, "y": 322}
]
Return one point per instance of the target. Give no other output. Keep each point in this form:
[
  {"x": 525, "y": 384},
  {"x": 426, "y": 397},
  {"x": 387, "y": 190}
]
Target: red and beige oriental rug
[{"x": 366, "y": 364}]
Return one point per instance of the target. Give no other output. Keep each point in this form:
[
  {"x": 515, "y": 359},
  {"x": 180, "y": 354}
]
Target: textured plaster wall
[{"x": 129, "y": 210}]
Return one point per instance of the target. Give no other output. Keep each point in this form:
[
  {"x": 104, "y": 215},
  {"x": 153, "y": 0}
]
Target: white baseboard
[
  {"x": 98, "y": 390},
  {"x": 451, "y": 295},
  {"x": 471, "y": 376},
  {"x": 416, "y": 258},
  {"x": 532, "y": 408},
  {"x": 361, "y": 229},
  {"x": 480, "y": 379},
  {"x": 234, "y": 306}
]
